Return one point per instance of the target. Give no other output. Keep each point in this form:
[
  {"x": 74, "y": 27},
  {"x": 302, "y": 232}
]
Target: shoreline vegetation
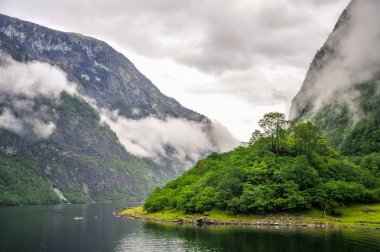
[
  {"x": 365, "y": 216},
  {"x": 288, "y": 176}
]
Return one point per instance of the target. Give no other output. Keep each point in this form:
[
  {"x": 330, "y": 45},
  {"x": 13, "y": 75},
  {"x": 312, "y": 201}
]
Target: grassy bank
[{"x": 356, "y": 216}]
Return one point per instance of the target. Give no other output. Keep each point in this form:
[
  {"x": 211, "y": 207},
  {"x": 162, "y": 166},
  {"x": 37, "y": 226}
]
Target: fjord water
[{"x": 92, "y": 227}]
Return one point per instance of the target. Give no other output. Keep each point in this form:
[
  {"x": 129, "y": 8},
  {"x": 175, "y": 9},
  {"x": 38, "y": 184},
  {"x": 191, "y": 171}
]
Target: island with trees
[{"x": 288, "y": 175}]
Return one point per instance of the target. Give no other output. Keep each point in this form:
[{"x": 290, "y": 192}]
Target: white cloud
[
  {"x": 33, "y": 79},
  {"x": 10, "y": 122},
  {"x": 186, "y": 140},
  {"x": 352, "y": 58},
  {"x": 20, "y": 83},
  {"x": 148, "y": 137},
  {"x": 204, "y": 46},
  {"x": 40, "y": 128}
]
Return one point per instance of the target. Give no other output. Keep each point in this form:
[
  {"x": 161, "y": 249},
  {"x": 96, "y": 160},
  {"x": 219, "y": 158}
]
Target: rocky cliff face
[
  {"x": 312, "y": 88},
  {"x": 341, "y": 90},
  {"x": 101, "y": 72},
  {"x": 96, "y": 127}
]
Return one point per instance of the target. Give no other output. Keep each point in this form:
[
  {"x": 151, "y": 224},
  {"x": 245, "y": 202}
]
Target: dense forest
[
  {"x": 352, "y": 132},
  {"x": 287, "y": 167},
  {"x": 21, "y": 180}
]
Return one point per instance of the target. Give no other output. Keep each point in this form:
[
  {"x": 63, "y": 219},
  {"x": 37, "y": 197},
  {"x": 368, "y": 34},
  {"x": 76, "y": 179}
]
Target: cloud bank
[
  {"x": 24, "y": 86},
  {"x": 352, "y": 57},
  {"x": 33, "y": 79},
  {"x": 21, "y": 87},
  {"x": 254, "y": 51},
  {"x": 185, "y": 140}
]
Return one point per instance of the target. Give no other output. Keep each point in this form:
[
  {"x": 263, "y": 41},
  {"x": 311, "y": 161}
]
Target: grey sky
[{"x": 230, "y": 60}]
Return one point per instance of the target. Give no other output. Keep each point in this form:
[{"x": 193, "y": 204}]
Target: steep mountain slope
[
  {"x": 341, "y": 90},
  {"x": 103, "y": 73},
  {"x": 94, "y": 127}
]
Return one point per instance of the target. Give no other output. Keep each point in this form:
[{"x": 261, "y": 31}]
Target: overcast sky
[{"x": 231, "y": 60}]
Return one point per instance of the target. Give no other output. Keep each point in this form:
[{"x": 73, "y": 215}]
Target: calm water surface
[{"x": 56, "y": 228}]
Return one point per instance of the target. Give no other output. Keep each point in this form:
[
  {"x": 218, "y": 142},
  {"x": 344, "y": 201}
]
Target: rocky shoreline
[
  {"x": 206, "y": 221},
  {"x": 364, "y": 216}
]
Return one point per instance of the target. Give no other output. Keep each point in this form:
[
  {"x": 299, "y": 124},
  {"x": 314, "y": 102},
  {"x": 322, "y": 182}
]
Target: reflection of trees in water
[
  {"x": 152, "y": 237},
  {"x": 241, "y": 238},
  {"x": 53, "y": 228}
]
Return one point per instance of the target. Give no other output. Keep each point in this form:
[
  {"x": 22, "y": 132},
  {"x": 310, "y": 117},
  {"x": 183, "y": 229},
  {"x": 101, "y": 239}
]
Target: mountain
[
  {"x": 77, "y": 117},
  {"x": 341, "y": 91}
]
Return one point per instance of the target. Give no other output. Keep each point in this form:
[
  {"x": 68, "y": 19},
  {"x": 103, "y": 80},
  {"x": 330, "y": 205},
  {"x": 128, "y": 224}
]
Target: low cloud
[
  {"x": 21, "y": 85},
  {"x": 33, "y": 79},
  {"x": 221, "y": 137},
  {"x": 34, "y": 124},
  {"x": 352, "y": 58},
  {"x": 154, "y": 138},
  {"x": 220, "y": 40},
  {"x": 10, "y": 122}
]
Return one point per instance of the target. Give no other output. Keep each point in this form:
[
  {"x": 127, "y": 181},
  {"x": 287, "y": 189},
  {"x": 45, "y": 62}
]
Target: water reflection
[
  {"x": 54, "y": 228},
  {"x": 227, "y": 238}
]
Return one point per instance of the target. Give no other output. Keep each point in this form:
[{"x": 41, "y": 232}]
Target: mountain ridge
[
  {"x": 97, "y": 128},
  {"x": 74, "y": 38},
  {"x": 340, "y": 93}
]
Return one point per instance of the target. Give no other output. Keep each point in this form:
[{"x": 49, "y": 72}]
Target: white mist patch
[
  {"x": 154, "y": 138},
  {"x": 34, "y": 79},
  {"x": 24, "y": 124},
  {"x": 20, "y": 84},
  {"x": 9, "y": 121},
  {"x": 222, "y": 138},
  {"x": 353, "y": 58},
  {"x": 149, "y": 137}
]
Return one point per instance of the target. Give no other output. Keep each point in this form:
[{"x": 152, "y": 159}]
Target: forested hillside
[{"x": 287, "y": 167}]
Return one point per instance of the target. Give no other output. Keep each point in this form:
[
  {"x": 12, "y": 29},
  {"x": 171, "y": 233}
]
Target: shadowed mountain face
[
  {"x": 91, "y": 124},
  {"x": 341, "y": 90}
]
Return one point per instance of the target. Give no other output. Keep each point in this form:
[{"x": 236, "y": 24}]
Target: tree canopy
[{"x": 286, "y": 167}]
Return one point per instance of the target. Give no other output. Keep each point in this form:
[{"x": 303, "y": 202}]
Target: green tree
[
  {"x": 256, "y": 199},
  {"x": 305, "y": 138},
  {"x": 256, "y": 136},
  {"x": 205, "y": 200},
  {"x": 283, "y": 169},
  {"x": 274, "y": 127}
]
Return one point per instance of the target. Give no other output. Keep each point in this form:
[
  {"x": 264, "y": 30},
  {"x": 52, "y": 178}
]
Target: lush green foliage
[
  {"x": 21, "y": 180},
  {"x": 364, "y": 137},
  {"x": 286, "y": 169},
  {"x": 110, "y": 157},
  {"x": 77, "y": 106},
  {"x": 353, "y": 134}
]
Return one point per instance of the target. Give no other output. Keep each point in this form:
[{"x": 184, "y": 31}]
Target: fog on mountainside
[
  {"x": 93, "y": 125},
  {"x": 349, "y": 57}
]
